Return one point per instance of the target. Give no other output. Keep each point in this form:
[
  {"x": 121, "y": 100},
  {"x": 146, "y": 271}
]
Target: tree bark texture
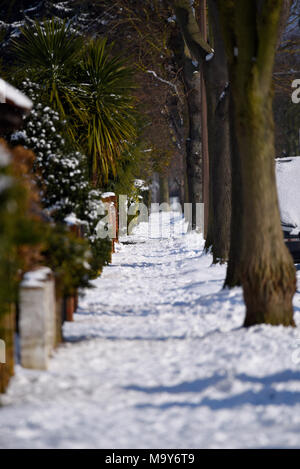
[
  {"x": 267, "y": 271},
  {"x": 216, "y": 82},
  {"x": 164, "y": 190},
  {"x": 194, "y": 161}
]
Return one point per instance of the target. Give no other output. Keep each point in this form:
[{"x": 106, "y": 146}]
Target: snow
[
  {"x": 4, "y": 157},
  {"x": 288, "y": 175},
  {"x": 140, "y": 184},
  {"x": 19, "y": 135},
  {"x": 210, "y": 56},
  {"x": 35, "y": 278},
  {"x": 72, "y": 220},
  {"x": 107, "y": 195},
  {"x": 10, "y": 94},
  {"x": 158, "y": 358},
  {"x": 172, "y": 19}
]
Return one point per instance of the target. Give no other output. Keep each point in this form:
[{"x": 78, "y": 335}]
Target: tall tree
[
  {"x": 87, "y": 85},
  {"x": 194, "y": 148},
  {"x": 192, "y": 120},
  {"x": 218, "y": 99},
  {"x": 214, "y": 69},
  {"x": 142, "y": 35},
  {"x": 268, "y": 278},
  {"x": 233, "y": 275}
]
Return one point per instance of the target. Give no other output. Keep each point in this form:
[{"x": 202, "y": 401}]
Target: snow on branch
[{"x": 164, "y": 81}]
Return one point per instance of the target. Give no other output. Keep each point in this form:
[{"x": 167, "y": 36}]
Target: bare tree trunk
[
  {"x": 267, "y": 270},
  {"x": 164, "y": 190},
  {"x": 194, "y": 145},
  {"x": 193, "y": 154},
  {"x": 217, "y": 91},
  {"x": 268, "y": 274},
  {"x": 204, "y": 120},
  {"x": 216, "y": 121},
  {"x": 233, "y": 274},
  {"x": 220, "y": 180}
]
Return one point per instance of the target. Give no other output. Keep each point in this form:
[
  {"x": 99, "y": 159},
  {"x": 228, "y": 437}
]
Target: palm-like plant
[
  {"x": 49, "y": 51},
  {"x": 106, "y": 108},
  {"x": 88, "y": 86}
]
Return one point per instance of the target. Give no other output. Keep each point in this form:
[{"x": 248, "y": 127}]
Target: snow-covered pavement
[{"x": 157, "y": 358}]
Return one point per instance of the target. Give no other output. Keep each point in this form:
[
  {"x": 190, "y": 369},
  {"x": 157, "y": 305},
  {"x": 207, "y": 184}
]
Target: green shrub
[
  {"x": 69, "y": 257},
  {"x": 18, "y": 228},
  {"x": 87, "y": 85},
  {"x": 101, "y": 256}
]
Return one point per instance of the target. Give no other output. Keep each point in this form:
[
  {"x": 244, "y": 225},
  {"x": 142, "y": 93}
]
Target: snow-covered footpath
[{"x": 157, "y": 358}]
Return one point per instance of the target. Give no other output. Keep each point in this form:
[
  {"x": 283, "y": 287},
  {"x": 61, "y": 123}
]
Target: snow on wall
[
  {"x": 9, "y": 94},
  {"x": 107, "y": 195}
]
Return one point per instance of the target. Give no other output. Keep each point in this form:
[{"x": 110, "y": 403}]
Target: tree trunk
[
  {"x": 218, "y": 234},
  {"x": 164, "y": 190},
  {"x": 216, "y": 81},
  {"x": 221, "y": 181},
  {"x": 204, "y": 121},
  {"x": 215, "y": 76},
  {"x": 233, "y": 274},
  {"x": 267, "y": 270},
  {"x": 268, "y": 273},
  {"x": 193, "y": 154},
  {"x": 194, "y": 146}
]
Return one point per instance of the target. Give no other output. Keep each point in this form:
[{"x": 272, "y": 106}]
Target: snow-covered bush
[
  {"x": 69, "y": 257},
  {"x": 60, "y": 171}
]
